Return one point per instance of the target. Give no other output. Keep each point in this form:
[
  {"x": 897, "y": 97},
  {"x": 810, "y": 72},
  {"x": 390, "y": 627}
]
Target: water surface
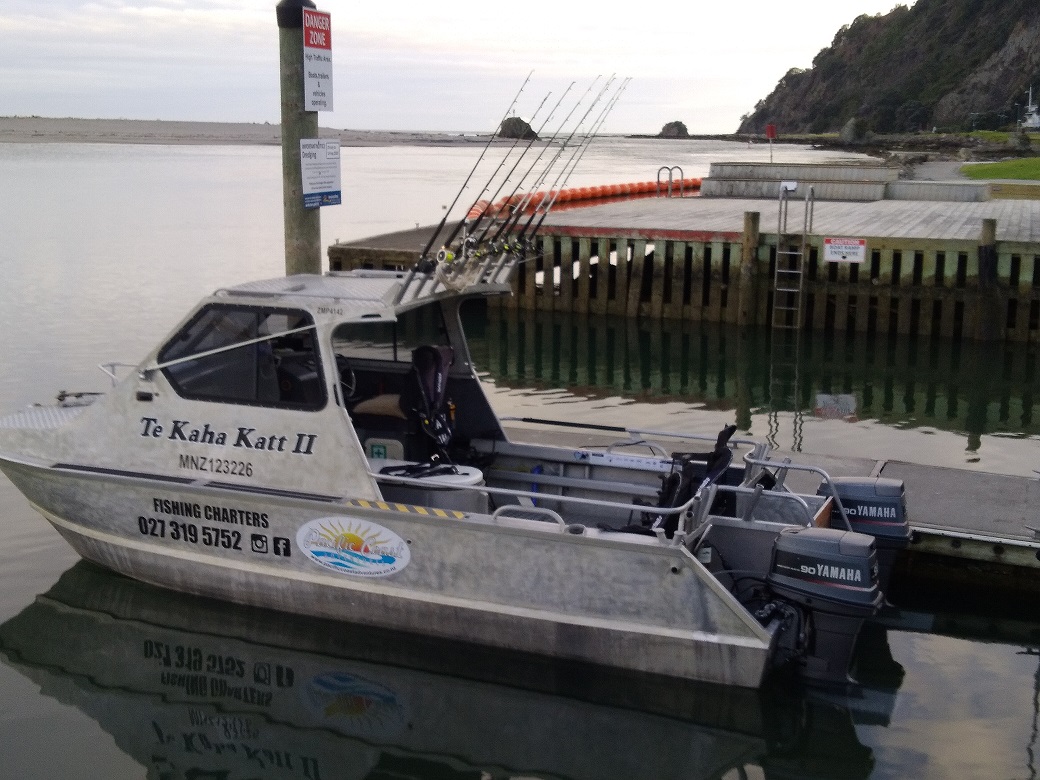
[{"x": 106, "y": 247}]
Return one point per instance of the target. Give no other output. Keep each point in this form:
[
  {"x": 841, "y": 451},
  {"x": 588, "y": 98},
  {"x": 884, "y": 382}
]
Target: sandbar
[{"x": 34, "y": 129}]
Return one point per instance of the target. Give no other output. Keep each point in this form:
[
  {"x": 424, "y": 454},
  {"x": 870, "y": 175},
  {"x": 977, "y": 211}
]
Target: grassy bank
[{"x": 1027, "y": 168}]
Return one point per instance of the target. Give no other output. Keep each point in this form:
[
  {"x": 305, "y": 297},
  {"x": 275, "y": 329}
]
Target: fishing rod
[
  {"x": 548, "y": 143},
  {"x": 580, "y": 152},
  {"x": 573, "y": 163},
  {"x": 514, "y": 218},
  {"x": 487, "y": 146},
  {"x": 531, "y": 141},
  {"x": 517, "y": 250},
  {"x": 476, "y": 201},
  {"x": 553, "y": 190}
]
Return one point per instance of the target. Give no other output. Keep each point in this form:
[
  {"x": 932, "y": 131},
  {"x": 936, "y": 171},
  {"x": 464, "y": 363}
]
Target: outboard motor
[
  {"x": 877, "y": 507},
  {"x": 831, "y": 577}
]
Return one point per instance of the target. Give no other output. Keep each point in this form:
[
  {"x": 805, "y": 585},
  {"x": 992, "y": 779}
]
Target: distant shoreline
[{"x": 139, "y": 131}]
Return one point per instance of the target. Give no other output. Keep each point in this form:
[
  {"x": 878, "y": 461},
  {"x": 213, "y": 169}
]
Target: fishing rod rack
[{"x": 490, "y": 271}]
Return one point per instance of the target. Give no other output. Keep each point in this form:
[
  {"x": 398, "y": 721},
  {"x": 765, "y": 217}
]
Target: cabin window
[
  {"x": 393, "y": 341},
  {"x": 264, "y": 357}
]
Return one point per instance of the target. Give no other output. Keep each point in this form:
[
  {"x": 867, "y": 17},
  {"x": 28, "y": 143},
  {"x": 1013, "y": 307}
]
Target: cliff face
[{"x": 946, "y": 63}]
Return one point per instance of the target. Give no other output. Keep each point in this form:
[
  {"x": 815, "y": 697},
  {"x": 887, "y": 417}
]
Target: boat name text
[{"x": 243, "y": 437}]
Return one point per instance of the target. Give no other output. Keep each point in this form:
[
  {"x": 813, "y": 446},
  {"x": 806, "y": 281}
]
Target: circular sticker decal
[{"x": 353, "y": 546}]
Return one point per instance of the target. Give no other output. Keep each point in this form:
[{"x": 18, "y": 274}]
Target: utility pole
[{"x": 302, "y": 226}]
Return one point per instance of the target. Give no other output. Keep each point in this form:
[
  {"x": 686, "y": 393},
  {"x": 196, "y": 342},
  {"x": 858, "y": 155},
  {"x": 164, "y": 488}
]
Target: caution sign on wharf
[{"x": 844, "y": 250}]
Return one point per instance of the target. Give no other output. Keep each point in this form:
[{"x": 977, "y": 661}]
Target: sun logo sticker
[{"x": 353, "y": 546}]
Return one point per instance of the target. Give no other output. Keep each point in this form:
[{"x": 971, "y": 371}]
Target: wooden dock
[{"x": 687, "y": 258}]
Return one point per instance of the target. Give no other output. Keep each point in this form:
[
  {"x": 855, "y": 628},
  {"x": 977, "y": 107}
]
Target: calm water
[{"x": 104, "y": 249}]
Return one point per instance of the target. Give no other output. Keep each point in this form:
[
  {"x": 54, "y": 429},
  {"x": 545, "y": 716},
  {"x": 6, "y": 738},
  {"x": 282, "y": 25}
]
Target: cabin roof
[
  {"x": 359, "y": 289},
  {"x": 356, "y": 294}
]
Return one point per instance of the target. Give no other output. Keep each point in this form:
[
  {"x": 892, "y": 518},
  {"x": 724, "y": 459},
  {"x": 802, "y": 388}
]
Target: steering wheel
[{"x": 347, "y": 380}]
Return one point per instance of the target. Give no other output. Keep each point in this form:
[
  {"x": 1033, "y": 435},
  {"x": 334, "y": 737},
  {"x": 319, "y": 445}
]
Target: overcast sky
[{"x": 409, "y": 65}]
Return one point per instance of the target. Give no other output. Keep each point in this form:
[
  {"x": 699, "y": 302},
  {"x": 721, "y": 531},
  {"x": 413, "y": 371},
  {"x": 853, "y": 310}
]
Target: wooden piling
[
  {"x": 746, "y": 276},
  {"x": 989, "y": 326}
]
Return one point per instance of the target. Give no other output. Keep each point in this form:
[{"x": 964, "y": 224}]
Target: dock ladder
[{"x": 792, "y": 251}]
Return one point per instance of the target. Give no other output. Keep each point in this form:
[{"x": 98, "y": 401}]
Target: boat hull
[{"x": 523, "y": 585}]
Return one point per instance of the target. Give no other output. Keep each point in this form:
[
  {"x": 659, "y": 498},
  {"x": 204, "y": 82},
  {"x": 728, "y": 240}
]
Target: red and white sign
[
  {"x": 844, "y": 250},
  {"x": 317, "y": 60}
]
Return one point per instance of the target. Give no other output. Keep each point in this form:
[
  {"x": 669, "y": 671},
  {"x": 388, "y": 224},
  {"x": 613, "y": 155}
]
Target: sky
[{"x": 452, "y": 65}]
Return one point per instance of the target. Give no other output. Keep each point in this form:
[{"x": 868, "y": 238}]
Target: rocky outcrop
[
  {"x": 942, "y": 63},
  {"x": 515, "y": 127},
  {"x": 674, "y": 130}
]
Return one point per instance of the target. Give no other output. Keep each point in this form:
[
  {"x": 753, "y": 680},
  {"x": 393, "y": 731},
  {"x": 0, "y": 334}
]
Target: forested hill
[{"x": 941, "y": 63}]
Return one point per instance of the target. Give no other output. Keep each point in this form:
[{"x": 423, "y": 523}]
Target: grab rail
[
  {"x": 670, "y": 170},
  {"x": 535, "y": 510},
  {"x": 109, "y": 369}
]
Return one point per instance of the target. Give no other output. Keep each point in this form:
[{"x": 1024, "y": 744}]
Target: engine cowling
[
  {"x": 875, "y": 506},
  {"x": 832, "y": 577}
]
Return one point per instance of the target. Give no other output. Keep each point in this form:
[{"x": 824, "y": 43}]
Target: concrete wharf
[{"x": 962, "y": 264}]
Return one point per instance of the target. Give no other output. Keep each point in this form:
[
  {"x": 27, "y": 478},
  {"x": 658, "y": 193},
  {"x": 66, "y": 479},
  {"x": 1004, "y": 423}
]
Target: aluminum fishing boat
[{"x": 321, "y": 445}]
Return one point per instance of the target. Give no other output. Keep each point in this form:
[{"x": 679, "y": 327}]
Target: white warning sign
[{"x": 844, "y": 250}]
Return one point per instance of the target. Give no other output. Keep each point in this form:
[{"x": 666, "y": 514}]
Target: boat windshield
[
  {"x": 392, "y": 341},
  {"x": 246, "y": 355}
]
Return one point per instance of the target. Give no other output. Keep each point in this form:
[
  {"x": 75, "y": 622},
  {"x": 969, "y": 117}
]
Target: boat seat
[{"x": 418, "y": 417}]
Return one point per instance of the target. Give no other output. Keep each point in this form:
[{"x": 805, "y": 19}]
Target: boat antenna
[{"x": 494, "y": 135}]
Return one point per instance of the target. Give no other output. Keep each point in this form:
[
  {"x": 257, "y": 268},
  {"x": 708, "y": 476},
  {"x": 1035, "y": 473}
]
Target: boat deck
[{"x": 953, "y": 512}]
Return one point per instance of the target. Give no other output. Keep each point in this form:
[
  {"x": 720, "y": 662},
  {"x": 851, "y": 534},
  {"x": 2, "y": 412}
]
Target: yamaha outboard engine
[
  {"x": 875, "y": 506},
  {"x": 830, "y": 577}
]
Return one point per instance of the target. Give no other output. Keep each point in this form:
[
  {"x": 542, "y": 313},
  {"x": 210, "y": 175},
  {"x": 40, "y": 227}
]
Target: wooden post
[
  {"x": 748, "y": 269},
  {"x": 302, "y": 226},
  {"x": 989, "y": 323},
  {"x": 635, "y": 281},
  {"x": 619, "y": 305}
]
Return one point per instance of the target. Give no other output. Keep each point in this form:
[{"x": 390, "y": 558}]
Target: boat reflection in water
[{"x": 191, "y": 687}]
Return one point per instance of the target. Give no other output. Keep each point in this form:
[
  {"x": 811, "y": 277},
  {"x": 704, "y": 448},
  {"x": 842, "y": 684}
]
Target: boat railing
[
  {"x": 747, "y": 510},
  {"x": 786, "y": 465},
  {"x": 109, "y": 370},
  {"x": 638, "y": 436}
]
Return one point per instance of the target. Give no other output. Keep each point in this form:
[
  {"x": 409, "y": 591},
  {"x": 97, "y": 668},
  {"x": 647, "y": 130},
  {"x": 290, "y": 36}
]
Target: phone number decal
[{"x": 190, "y": 533}]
